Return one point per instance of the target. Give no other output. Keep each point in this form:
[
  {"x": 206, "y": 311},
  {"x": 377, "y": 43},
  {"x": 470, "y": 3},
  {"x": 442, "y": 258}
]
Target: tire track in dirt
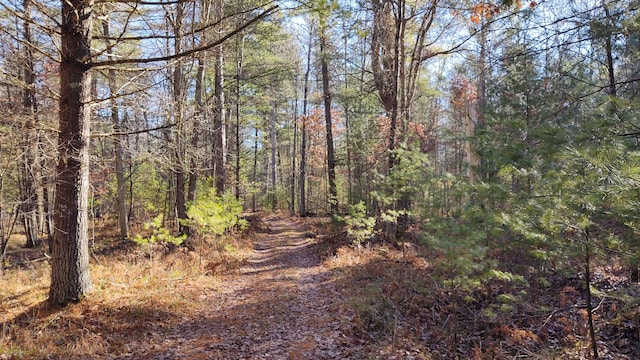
[{"x": 283, "y": 305}]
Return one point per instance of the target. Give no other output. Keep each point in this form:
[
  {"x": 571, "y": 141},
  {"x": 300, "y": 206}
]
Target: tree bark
[
  {"x": 292, "y": 204},
  {"x": 331, "y": 160},
  {"x": 274, "y": 144},
  {"x": 178, "y": 98},
  {"x": 30, "y": 167},
  {"x": 193, "y": 167},
  {"x": 471, "y": 121},
  {"x": 219, "y": 141},
  {"x": 254, "y": 173},
  {"x": 70, "y": 280},
  {"x": 613, "y": 92},
  {"x": 302, "y": 206},
  {"x": 239, "y": 61},
  {"x": 119, "y": 161}
]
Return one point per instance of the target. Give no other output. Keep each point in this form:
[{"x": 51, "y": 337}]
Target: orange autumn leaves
[
  {"x": 415, "y": 133},
  {"x": 315, "y": 128},
  {"x": 487, "y": 10}
]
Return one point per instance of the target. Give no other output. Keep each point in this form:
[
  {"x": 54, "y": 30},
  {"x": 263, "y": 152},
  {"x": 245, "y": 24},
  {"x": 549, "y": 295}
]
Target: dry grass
[
  {"x": 401, "y": 304},
  {"x": 134, "y": 299}
]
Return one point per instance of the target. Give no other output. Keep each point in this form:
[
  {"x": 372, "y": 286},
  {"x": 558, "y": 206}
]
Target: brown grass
[
  {"x": 402, "y": 306},
  {"x": 134, "y": 299},
  {"x": 402, "y": 302}
]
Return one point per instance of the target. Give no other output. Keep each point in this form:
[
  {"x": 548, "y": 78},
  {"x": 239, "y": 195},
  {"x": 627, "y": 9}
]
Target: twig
[
  {"x": 553, "y": 313},
  {"x": 446, "y": 321},
  {"x": 46, "y": 257}
]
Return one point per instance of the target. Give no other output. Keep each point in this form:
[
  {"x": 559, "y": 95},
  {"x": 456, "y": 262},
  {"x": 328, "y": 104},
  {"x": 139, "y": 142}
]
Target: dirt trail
[{"x": 283, "y": 305}]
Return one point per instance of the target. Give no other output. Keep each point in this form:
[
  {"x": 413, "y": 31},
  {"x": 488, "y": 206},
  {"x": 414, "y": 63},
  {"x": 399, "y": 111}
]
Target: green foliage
[
  {"x": 160, "y": 234},
  {"x": 405, "y": 186},
  {"x": 149, "y": 187},
  {"x": 360, "y": 226},
  {"x": 214, "y": 215},
  {"x": 408, "y": 178},
  {"x": 505, "y": 276},
  {"x": 281, "y": 196}
]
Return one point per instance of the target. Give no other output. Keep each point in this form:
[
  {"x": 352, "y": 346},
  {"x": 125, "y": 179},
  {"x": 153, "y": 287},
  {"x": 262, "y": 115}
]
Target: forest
[{"x": 322, "y": 179}]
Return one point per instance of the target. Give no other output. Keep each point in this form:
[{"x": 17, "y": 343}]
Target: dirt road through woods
[{"x": 283, "y": 305}]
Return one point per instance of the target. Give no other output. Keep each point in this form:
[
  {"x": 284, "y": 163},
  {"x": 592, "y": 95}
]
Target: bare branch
[
  {"x": 186, "y": 53},
  {"x": 133, "y": 132},
  {"x": 163, "y": 36}
]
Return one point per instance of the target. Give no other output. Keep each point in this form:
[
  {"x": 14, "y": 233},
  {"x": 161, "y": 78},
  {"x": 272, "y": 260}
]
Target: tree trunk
[
  {"x": 193, "y": 167},
  {"x": 587, "y": 276},
  {"x": 302, "y": 206},
  {"x": 239, "y": 60},
  {"x": 254, "y": 174},
  {"x": 292, "y": 205},
  {"x": 613, "y": 92},
  {"x": 30, "y": 173},
  {"x": 48, "y": 221},
  {"x": 119, "y": 162},
  {"x": 274, "y": 144},
  {"x": 471, "y": 121},
  {"x": 219, "y": 130},
  {"x": 70, "y": 280},
  {"x": 331, "y": 160},
  {"x": 178, "y": 94},
  {"x": 347, "y": 124}
]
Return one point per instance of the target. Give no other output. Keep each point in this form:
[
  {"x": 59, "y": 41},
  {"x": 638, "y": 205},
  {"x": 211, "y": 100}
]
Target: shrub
[{"x": 211, "y": 214}]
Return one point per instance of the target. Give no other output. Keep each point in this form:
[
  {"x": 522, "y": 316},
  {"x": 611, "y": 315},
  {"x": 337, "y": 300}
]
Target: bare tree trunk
[
  {"x": 471, "y": 120},
  {"x": 193, "y": 168},
  {"x": 254, "y": 175},
  {"x": 274, "y": 144},
  {"x": 115, "y": 119},
  {"x": 70, "y": 280},
  {"x": 292, "y": 205},
  {"x": 48, "y": 222},
  {"x": 30, "y": 173},
  {"x": 239, "y": 60},
  {"x": 178, "y": 99},
  {"x": 587, "y": 276},
  {"x": 613, "y": 92},
  {"x": 331, "y": 160},
  {"x": 219, "y": 141},
  {"x": 347, "y": 124},
  {"x": 303, "y": 134}
]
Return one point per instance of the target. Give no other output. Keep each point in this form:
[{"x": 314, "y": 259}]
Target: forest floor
[{"x": 291, "y": 288}]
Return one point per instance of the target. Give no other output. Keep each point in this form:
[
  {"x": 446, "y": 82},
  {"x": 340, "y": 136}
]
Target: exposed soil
[{"x": 281, "y": 305}]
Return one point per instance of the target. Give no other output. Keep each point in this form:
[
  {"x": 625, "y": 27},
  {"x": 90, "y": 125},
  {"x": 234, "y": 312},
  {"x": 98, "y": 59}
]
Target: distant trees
[{"x": 122, "y": 42}]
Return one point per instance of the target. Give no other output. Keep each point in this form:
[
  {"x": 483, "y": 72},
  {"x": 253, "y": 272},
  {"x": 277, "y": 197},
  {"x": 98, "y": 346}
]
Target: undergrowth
[
  {"x": 412, "y": 298},
  {"x": 133, "y": 299}
]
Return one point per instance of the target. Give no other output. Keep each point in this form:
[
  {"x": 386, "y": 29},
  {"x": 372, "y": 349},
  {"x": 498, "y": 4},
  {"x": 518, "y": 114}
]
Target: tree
[
  {"x": 303, "y": 131},
  {"x": 31, "y": 193},
  {"x": 121, "y": 187},
  {"x": 396, "y": 57},
  {"x": 70, "y": 279},
  {"x": 219, "y": 123},
  {"x": 326, "y": 91}
]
